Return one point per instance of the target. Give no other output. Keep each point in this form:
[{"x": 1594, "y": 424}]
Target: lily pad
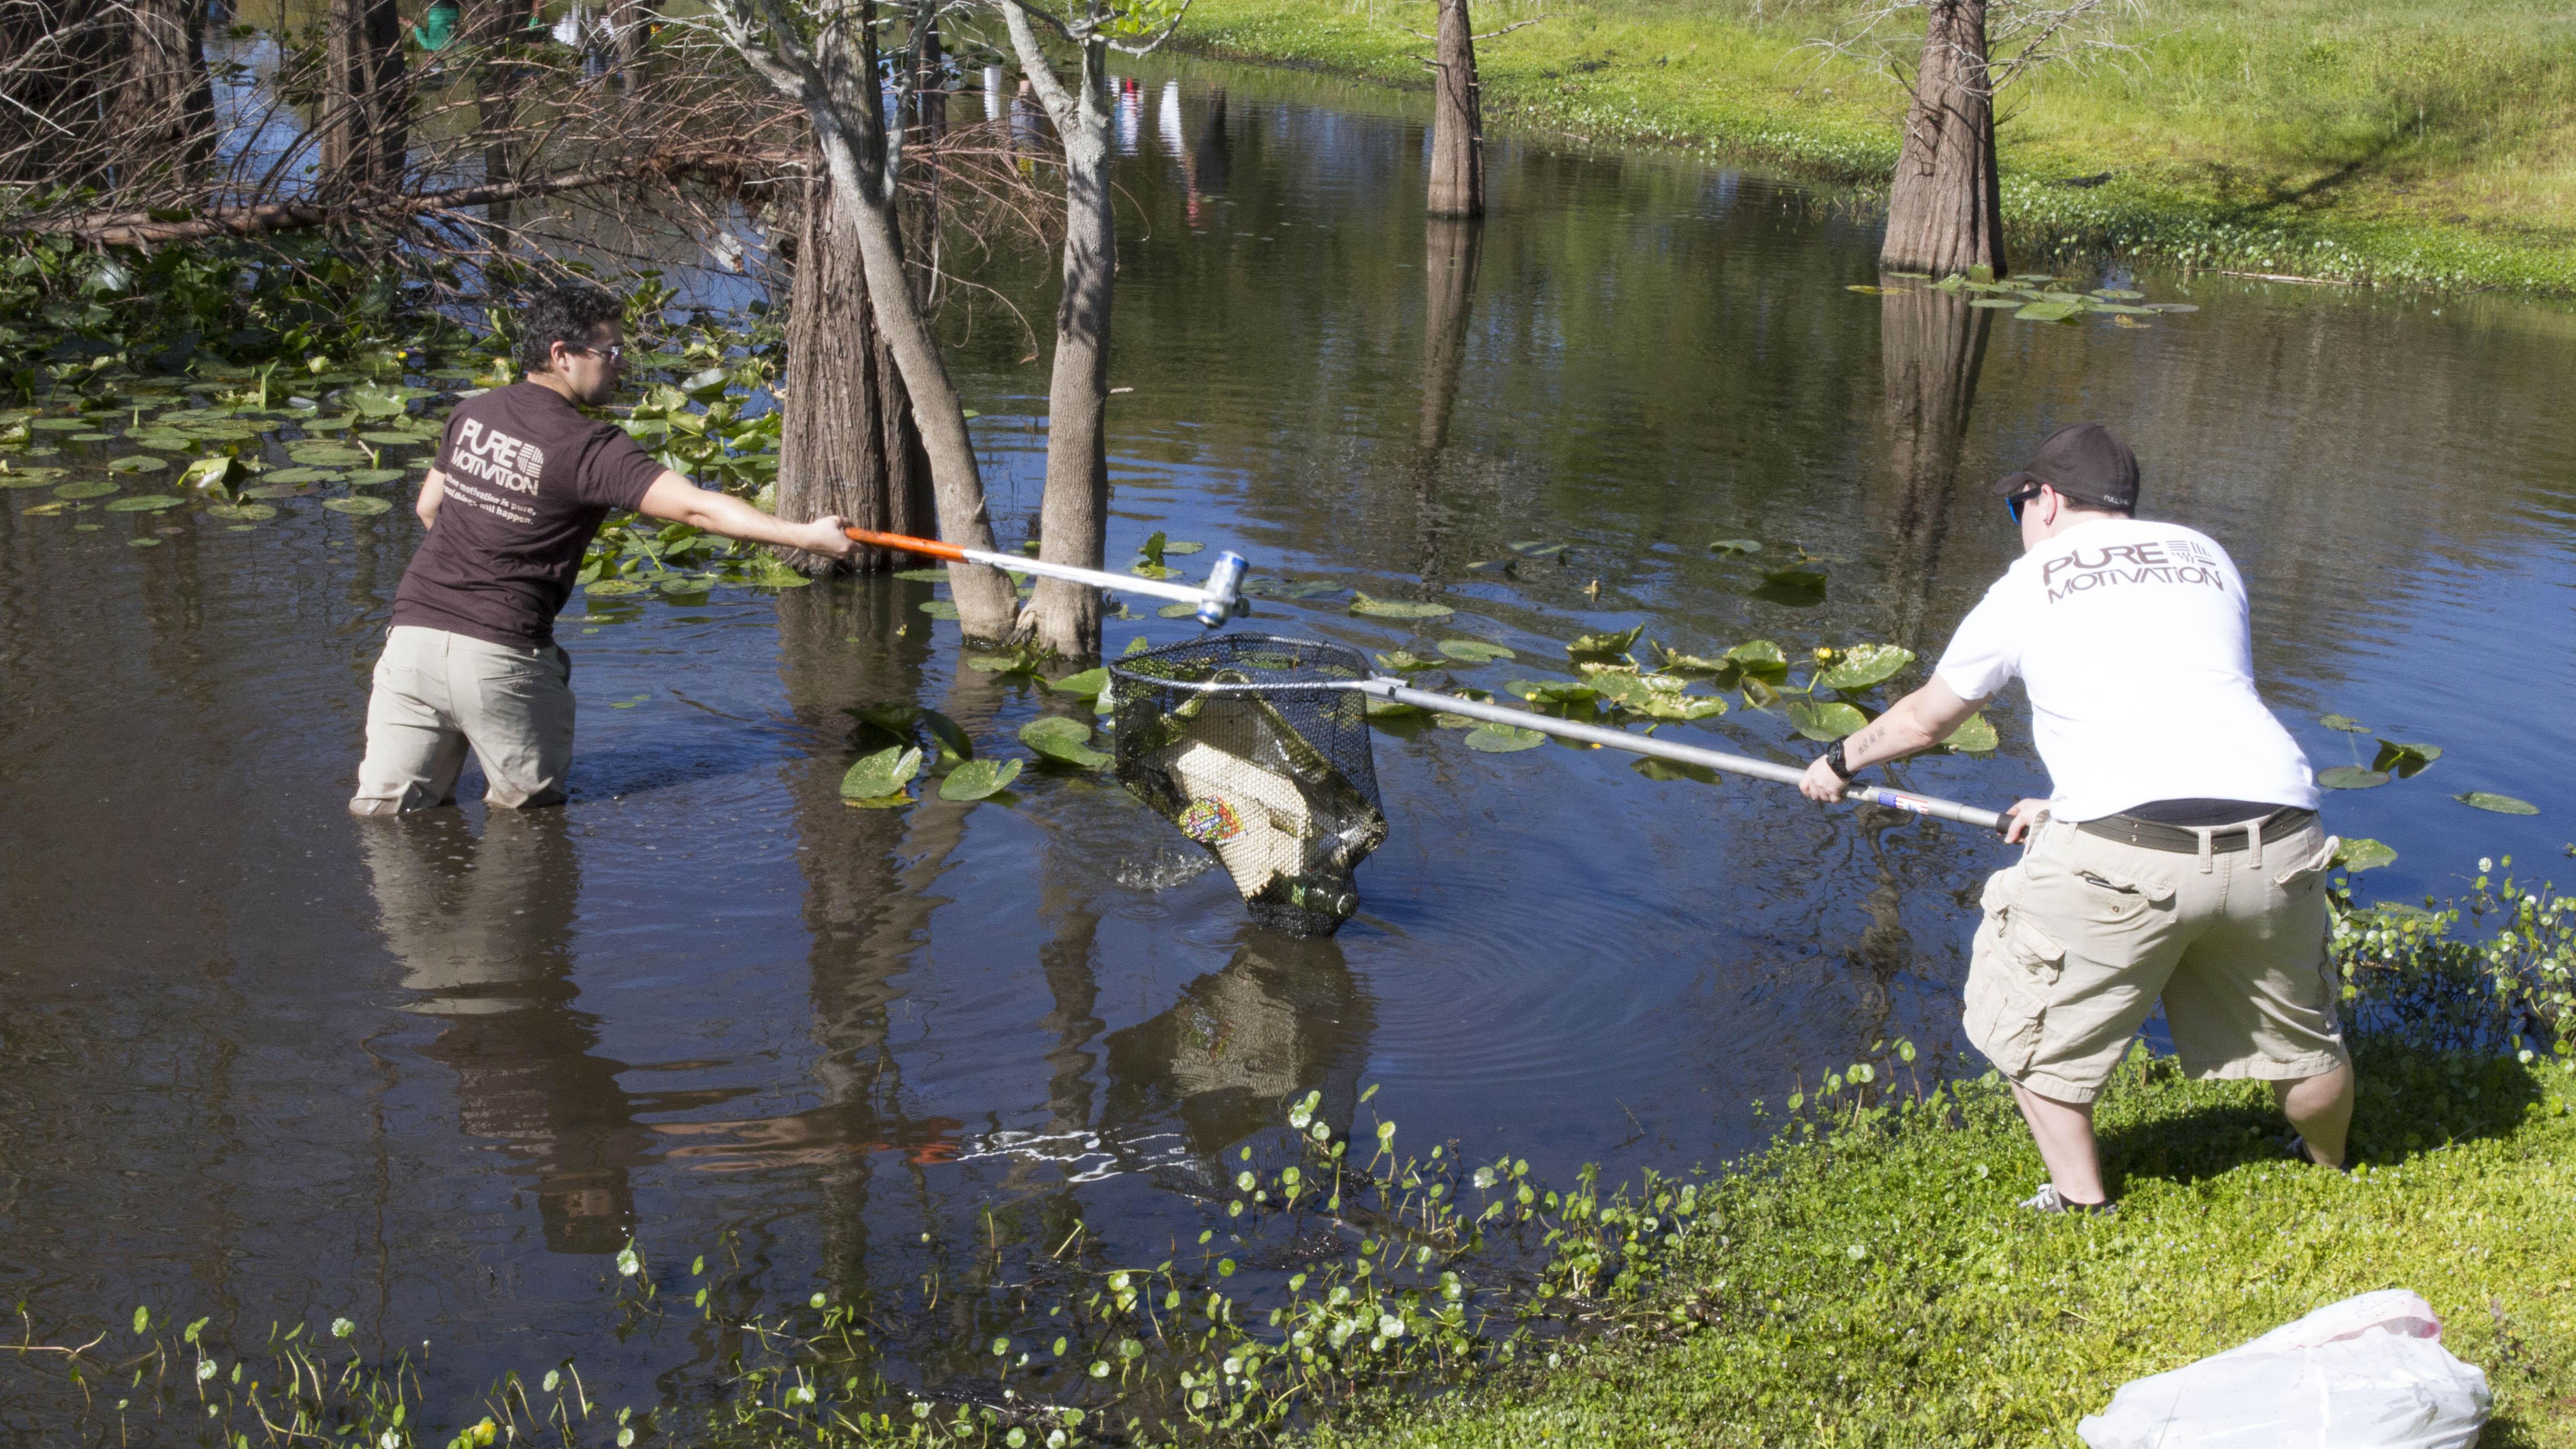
[
  {"x": 883, "y": 774},
  {"x": 1475, "y": 651},
  {"x": 1282, "y": 589},
  {"x": 1995, "y": 302},
  {"x": 146, "y": 503},
  {"x": 1863, "y": 665},
  {"x": 1390, "y": 709},
  {"x": 1869, "y": 291},
  {"x": 1759, "y": 657},
  {"x": 1385, "y": 608},
  {"x": 2403, "y": 760},
  {"x": 143, "y": 543},
  {"x": 303, "y": 475},
  {"x": 362, "y": 507},
  {"x": 138, "y": 463},
  {"x": 613, "y": 588},
  {"x": 216, "y": 473},
  {"x": 1503, "y": 739},
  {"x": 1065, "y": 740},
  {"x": 939, "y": 608},
  {"x": 2500, "y": 804},
  {"x": 1605, "y": 646},
  {"x": 1185, "y": 611},
  {"x": 1794, "y": 588},
  {"x": 86, "y": 488},
  {"x": 2117, "y": 294},
  {"x": 1826, "y": 721},
  {"x": 923, "y": 576},
  {"x": 1735, "y": 546},
  {"x": 1181, "y": 545},
  {"x": 61, "y": 425},
  {"x": 242, "y": 512},
  {"x": 2172, "y": 307},
  {"x": 29, "y": 477},
  {"x": 2047, "y": 311},
  {"x": 978, "y": 779},
  {"x": 1087, "y": 685},
  {"x": 2351, "y": 777},
  {"x": 373, "y": 477},
  {"x": 276, "y": 490},
  {"x": 396, "y": 440},
  {"x": 1975, "y": 736},
  {"x": 1405, "y": 661},
  {"x": 2345, "y": 723},
  {"x": 2362, "y": 853}
]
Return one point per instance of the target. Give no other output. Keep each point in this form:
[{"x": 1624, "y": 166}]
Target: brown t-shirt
[{"x": 529, "y": 480}]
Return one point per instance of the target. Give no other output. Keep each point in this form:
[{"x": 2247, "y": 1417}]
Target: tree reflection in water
[{"x": 1932, "y": 345}]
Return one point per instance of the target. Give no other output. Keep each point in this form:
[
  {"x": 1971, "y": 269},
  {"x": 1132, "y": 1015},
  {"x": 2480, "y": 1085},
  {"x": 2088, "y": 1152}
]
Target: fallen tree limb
[{"x": 143, "y": 228}]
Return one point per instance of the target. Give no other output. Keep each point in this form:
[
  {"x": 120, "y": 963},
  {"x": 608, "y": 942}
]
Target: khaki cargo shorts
[
  {"x": 438, "y": 694},
  {"x": 2085, "y": 935}
]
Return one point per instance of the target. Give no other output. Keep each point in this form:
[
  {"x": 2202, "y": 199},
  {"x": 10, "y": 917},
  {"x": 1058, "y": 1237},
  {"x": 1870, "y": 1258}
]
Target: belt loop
[
  {"x": 2254, "y": 843},
  {"x": 2204, "y": 833}
]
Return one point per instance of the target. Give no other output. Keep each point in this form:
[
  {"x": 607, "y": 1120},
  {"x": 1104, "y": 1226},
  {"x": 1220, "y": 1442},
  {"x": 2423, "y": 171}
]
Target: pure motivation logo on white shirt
[
  {"x": 2134, "y": 641},
  {"x": 2165, "y": 561}
]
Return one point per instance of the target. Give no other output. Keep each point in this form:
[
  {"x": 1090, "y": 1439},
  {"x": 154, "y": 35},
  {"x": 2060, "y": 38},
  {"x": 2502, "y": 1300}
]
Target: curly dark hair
[{"x": 572, "y": 313}]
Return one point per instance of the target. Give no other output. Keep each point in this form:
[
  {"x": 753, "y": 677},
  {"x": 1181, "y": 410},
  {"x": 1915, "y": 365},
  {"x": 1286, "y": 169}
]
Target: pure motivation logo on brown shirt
[{"x": 528, "y": 482}]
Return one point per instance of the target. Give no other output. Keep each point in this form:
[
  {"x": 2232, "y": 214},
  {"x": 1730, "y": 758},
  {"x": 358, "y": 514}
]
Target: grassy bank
[
  {"x": 1879, "y": 1287},
  {"x": 2408, "y": 142}
]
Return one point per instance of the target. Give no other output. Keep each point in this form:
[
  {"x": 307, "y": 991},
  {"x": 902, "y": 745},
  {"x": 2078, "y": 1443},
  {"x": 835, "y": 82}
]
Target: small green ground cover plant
[{"x": 2413, "y": 143}]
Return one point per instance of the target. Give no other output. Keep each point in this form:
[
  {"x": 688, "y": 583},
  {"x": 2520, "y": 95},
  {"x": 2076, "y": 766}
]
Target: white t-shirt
[{"x": 2134, "y": 642}]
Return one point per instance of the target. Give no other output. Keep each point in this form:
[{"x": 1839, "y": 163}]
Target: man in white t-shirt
[{"x": 2177, "y": 857}]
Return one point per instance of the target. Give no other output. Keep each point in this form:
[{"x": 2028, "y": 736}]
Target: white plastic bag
[{"x": 2367, "y": 1373}]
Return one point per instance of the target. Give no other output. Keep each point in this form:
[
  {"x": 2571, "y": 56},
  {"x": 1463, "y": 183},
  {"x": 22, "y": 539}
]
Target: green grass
[
  {"x": 2401, "y": 141},
  {"x": 1879, "y": 1287}
]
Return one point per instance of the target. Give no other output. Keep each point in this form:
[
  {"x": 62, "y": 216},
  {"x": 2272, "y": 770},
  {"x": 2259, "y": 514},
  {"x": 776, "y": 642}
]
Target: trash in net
[{"x": 1258, "y": 749}]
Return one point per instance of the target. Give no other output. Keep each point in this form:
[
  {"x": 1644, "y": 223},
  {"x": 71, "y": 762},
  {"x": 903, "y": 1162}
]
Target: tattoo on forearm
[{"x": 1860, "y": 741}]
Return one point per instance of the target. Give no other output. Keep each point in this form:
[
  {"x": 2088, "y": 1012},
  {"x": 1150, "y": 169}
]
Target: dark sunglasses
[{"x": 2015, "y": 502}]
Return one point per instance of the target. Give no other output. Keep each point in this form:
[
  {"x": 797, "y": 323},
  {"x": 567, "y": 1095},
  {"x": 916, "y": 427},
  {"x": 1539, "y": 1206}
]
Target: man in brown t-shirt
[{"x": 522, "y": 482}]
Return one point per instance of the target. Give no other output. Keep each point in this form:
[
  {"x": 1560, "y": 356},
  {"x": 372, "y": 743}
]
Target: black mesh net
[{"x": 1276, "y": 782}]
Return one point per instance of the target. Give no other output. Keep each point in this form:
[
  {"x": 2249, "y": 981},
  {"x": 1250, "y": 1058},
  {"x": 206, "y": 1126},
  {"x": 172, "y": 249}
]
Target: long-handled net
[{"x": 1257, "y": 747}]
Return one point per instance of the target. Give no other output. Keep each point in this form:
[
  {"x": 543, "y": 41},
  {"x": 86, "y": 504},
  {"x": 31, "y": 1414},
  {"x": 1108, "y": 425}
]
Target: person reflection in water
[{"x": 483, "y": 932}]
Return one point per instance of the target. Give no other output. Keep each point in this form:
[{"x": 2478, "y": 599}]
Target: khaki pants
[
  {"x": 438, "y": 694},
  {"x": 2085, "y": 935}
]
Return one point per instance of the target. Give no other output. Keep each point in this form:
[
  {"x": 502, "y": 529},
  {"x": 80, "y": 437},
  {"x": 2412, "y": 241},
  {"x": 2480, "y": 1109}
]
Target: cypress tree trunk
[
  {"x": 1074, "y": 512},
  {"x": 1457, "y": 119},
  {"x": 490, "y": 25},
  {"x": 364, "y": 110},
  {"x": 1945, "y": 213},
  {"x": 164, "y": 112},
  {"x": 847, "y": 443},
  {"x": 849, "y": 123}
]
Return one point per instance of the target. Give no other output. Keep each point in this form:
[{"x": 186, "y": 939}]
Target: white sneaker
[{"x": 2049, "y": 1200}]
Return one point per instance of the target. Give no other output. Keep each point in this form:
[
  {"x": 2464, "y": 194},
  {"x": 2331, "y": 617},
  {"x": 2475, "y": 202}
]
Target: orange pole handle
[{"x": 905, "y": 543}]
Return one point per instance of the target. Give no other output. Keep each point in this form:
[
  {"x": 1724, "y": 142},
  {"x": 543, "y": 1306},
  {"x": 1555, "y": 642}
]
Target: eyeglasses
[
  {"x": 2015, "y": 502},
  {"x": 614, "y": 352}
]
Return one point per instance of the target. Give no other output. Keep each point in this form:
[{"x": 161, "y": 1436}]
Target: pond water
[{"x": 266, "y": 1061}]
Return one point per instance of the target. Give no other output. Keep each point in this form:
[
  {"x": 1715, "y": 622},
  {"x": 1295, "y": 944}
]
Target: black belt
[{"x": 2281, "y": 824}]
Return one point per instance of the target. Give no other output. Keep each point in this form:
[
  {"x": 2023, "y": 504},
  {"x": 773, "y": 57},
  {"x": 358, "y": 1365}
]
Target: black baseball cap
[{"x": 2085, "y": 463}]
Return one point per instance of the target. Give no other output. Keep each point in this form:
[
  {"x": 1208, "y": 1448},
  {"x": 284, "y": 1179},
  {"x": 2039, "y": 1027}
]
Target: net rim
[{"x": 1120, "y": 669}]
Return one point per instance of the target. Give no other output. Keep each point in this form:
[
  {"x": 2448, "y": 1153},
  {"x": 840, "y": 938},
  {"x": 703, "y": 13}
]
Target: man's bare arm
[
  {"x": 674, "y": 499},
  {"x": 433, "y": 491},
  {"x": 1912, "y": 725}
]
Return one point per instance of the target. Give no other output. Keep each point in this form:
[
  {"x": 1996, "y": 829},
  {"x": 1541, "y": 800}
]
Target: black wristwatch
[{"x": 1834, "y": 761}]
